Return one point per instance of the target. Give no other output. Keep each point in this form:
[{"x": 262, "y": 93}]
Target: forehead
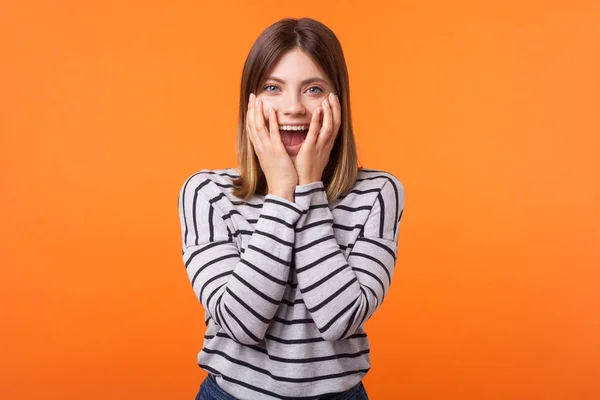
[{"x": 295, "y": 65}]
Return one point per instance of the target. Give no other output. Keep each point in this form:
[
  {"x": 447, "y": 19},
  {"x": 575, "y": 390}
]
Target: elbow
[
  {"x": 328, "y": 337},
  {"x": 240, "y": 336},
  {"x": 241, "y": 328},
  {"x": 341, "y": 334},
  {"x": 333, "y": 335},
  {"x": 248, "y": 341},
  {"x": 246, "y": 336},
  {"x": 344, "y": 324}
]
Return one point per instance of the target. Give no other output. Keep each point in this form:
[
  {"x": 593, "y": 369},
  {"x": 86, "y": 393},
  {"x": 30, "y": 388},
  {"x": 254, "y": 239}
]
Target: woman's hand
[
  {"x": 275, "y": 162},
  {"x": 314, "y": 152}
]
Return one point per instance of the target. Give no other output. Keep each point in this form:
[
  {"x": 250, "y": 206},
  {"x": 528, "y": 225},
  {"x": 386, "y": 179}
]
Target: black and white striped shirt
[{"x": 288, "y": 286}]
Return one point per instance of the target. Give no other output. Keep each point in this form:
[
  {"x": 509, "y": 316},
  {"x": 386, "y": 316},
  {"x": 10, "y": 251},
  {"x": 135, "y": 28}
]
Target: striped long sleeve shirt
[{"x": 286, "y": 286}]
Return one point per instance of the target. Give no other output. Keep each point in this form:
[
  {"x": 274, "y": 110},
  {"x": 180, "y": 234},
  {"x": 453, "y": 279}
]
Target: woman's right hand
[{"x": 275, "y": 162}]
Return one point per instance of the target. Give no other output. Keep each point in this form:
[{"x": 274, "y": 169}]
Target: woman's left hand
[{"x": 313, "y": 155}]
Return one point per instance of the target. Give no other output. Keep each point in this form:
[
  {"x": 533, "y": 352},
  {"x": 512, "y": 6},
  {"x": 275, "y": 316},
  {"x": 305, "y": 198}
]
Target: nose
[{"x": 292, "y": 105}]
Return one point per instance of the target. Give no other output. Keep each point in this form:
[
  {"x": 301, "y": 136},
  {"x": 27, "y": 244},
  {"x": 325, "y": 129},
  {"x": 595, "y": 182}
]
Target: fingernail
[
  {"x": 257, "y": 101},
  {"x": 331, "y": 96},
  {"x": 325, "y": 103},
  {"x": 251, "y": 96},
  {"x": 337, "y": 98}
]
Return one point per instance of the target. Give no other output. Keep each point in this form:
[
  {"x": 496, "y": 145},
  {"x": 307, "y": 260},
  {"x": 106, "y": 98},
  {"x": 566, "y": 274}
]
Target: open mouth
[{"x": 293, "y": 137}]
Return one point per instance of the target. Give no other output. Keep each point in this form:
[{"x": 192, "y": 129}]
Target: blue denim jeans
[{"x": 209, "y": 390}]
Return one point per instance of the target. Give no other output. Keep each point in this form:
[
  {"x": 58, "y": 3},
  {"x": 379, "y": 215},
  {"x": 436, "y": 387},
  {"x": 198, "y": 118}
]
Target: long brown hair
[{"x": 322, "y": 46}]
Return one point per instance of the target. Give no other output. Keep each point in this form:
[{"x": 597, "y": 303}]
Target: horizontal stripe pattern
[{"x": 288, "y": 286}]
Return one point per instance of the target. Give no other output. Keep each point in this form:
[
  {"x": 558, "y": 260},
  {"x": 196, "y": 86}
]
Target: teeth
[{"x": 293, "y": 127}]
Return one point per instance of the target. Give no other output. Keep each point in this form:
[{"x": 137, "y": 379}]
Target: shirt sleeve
[
  {"x": 342, "y": 294},
  {"x": 240, "y": 292}
]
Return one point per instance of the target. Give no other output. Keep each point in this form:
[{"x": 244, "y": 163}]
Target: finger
[
  {"x": 250, "y": 119},
  {"x": 336, "y": 108},
  {"x": 313, "y": 128},
  {"x": 259, "y": 121},
  {"x": 274, "y": 126},
  {"x": 325, "y": 132}
]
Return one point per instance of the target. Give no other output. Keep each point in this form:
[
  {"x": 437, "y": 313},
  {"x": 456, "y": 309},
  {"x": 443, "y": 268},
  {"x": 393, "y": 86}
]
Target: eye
[
  {"x": 270, "y": 86},
  {"x": 315, "y": 92}
]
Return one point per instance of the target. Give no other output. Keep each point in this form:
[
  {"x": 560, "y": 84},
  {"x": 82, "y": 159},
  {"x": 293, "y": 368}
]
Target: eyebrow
[{"x": 304, "y": 82}]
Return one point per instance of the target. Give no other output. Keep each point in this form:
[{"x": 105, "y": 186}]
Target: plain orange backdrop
[{"x": 487, "y": 111}]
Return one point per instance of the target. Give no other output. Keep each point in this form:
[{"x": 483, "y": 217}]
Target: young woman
[{"x": 293, "y": 251}]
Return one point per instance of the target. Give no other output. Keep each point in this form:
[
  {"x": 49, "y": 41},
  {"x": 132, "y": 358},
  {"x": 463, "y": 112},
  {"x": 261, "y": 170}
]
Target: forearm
[
  {"x": 242, "y": 292},
  {"x": 341, "y": 294}
]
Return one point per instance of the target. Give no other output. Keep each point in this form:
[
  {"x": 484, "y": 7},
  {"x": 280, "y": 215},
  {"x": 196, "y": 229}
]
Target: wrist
[
  {"x": 307, "y": 181},
  {"x": 286, "y": 194}
]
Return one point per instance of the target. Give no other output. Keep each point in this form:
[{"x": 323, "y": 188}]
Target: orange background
[{"x": 488, "y": 112}]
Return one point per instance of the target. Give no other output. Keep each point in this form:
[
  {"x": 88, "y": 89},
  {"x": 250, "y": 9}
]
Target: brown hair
[{"x": 322, "y": 46}]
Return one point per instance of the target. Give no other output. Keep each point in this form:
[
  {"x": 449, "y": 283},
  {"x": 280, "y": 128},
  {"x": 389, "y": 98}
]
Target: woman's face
[{"x": 294, "y": 89}]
